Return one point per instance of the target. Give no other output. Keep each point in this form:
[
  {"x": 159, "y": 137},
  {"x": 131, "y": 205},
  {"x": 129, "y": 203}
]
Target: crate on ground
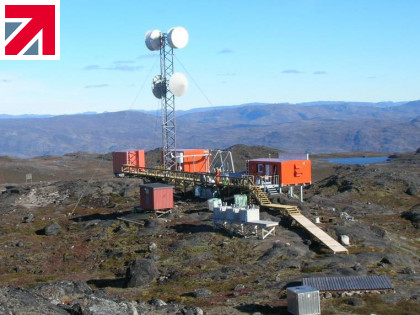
[{"x": 249, "y": 214}]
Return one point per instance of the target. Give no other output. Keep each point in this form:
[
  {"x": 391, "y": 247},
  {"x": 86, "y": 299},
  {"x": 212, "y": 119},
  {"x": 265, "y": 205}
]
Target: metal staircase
[{"x": 272, "y": 191}]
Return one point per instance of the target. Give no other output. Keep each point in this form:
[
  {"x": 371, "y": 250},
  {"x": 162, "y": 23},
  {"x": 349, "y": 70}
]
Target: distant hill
[
  {"x": 319, "y": 103},
  {"x": 329, "y": 127}
]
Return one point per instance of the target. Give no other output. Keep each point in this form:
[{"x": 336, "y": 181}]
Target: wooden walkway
[
  {"x": 323, "y": 237},
  {"x": 294, "y": 212}
]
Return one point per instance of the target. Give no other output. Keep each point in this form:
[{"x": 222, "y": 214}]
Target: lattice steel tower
[{"x": 167, "y": 85}]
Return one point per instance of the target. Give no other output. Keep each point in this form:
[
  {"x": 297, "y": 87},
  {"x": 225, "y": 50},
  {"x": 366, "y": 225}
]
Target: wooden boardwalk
[
  {"x": 307, "y": 224},
  {"x": 323, "y": 237}
]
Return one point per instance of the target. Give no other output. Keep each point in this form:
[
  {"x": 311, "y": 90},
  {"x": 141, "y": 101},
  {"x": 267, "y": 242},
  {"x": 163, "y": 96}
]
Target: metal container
[
  {"x": 213, "y": 203},
  {"x": 156, "y": 196},
  {"x": 219, "y": 213},
  {"x": 249, "y": 215},
  {"x": 232, "y": 214},
  {"x": 303, "y": 300}
]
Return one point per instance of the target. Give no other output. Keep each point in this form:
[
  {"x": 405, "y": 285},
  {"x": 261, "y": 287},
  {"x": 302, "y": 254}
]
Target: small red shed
[
  {"x": 156, "y": 196},
  {"x": 288, "y": 172},
  {"x": 135, "y": 158}
]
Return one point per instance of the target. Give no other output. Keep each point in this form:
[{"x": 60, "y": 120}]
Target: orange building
[
  {"x": 193, "y": 160},
  {"x": 286, "y": 172},
  {"x": 135, "y": 158}
]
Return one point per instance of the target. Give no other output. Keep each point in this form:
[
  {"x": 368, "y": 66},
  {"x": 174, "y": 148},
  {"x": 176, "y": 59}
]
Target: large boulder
[
  {"x": 52, "y": 229},
  {"x": 413, "y": 215},
  {"x": 141, "y": 272}
]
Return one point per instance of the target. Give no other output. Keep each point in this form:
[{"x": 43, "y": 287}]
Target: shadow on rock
[
  {"x": 193, "y": 228},
  {"x": 108, "y": 283},
  {"x": 102, "y": 217},
  {"x": 264, "y": 309},
  {"x": 197, "y": 211}
]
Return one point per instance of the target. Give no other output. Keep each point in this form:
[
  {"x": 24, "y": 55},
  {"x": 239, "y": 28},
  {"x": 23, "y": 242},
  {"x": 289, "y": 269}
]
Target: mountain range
[{"x": 315, "y": 127}]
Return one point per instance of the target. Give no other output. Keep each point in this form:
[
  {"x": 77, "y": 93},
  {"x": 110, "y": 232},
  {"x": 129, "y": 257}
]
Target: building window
[{"x": 260, "y": 168}]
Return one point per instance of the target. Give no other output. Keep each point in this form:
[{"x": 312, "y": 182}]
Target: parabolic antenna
[
  {"x": 178, "y": 84},
  {"x": 177, "y": 37},
  {"x": 153, "y": 40},
  {"x": 158, "y": 87}
]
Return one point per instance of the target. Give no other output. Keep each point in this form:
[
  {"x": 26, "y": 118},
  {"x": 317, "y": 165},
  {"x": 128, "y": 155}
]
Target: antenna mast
[
  {"x": 168, "y": 106},
  {"x": 167, "y": 85}
]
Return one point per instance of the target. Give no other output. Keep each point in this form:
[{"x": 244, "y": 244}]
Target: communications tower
[{"x": 167, "y": 85}]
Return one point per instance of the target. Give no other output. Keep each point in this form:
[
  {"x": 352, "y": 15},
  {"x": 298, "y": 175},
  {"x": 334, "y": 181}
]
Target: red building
[{"x": 156, "y": 196}]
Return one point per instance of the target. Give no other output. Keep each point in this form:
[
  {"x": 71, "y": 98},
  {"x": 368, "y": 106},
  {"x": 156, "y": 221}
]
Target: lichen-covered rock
[
  {"x": 192, "y": 310},
  {"x": 19, "y": 301},
  {"x": 62, "y": 289},
  {"x": 202, "y": 293},
  {"x": 52, "y": 229},
  {"x": 99, "y": 306}
]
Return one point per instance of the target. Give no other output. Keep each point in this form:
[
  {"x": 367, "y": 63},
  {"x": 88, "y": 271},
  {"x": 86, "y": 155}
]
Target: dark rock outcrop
[
  {"x": 141, "y": 272},
  {"x": 52, "y": 229}
]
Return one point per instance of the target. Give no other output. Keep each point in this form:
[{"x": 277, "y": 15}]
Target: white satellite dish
[
  {"x": 153, "y": 40},
  {"x": 178, "y": 84},
  {"x": 158, "y": 87},
  {"x": 177, "y": 37}
]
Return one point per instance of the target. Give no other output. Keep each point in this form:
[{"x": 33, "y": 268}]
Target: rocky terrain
[{"x": 65, "y": 251}]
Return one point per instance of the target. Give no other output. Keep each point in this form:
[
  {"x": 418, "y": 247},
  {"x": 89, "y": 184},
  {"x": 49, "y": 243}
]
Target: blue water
[{"x": 359, "y": 160}]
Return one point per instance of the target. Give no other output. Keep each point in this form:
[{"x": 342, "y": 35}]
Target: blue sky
[{"x": 239, "y": 52}]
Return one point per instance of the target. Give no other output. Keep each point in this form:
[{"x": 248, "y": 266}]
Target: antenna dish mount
[
  {"x": 177, "y": 37},
  {"x": 178, "y": 84},
  {"x": 153, "y": 40}
]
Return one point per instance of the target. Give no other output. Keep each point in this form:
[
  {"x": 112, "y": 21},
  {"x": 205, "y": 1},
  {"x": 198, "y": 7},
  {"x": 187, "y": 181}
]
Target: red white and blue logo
[{"x": 30, "y": 29}]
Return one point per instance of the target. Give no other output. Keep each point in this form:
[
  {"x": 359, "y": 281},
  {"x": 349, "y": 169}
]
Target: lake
[{"x": 358, "y": 160}]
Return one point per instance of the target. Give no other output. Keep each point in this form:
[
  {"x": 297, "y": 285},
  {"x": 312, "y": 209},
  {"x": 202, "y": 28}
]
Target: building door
[{"x": 267, "y": 169}]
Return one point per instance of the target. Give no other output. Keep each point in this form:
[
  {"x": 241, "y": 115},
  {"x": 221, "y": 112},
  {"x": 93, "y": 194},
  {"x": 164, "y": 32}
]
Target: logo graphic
[{"x": 30, "y": 29}]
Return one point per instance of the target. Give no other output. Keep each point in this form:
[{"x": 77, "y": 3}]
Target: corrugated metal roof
[
  {"x": 350, "y": 283},
  {"x": 302, "y": 289}
]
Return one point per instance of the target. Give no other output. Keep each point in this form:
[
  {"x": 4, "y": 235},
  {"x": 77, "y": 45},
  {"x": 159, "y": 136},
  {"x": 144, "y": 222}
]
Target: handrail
[{"x": 203, "y": 178}]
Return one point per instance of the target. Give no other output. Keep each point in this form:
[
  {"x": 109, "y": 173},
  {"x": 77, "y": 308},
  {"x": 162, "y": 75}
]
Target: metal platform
[
  {"x": 271, "y": 225},
  {"x": 266, "y": 227}
]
